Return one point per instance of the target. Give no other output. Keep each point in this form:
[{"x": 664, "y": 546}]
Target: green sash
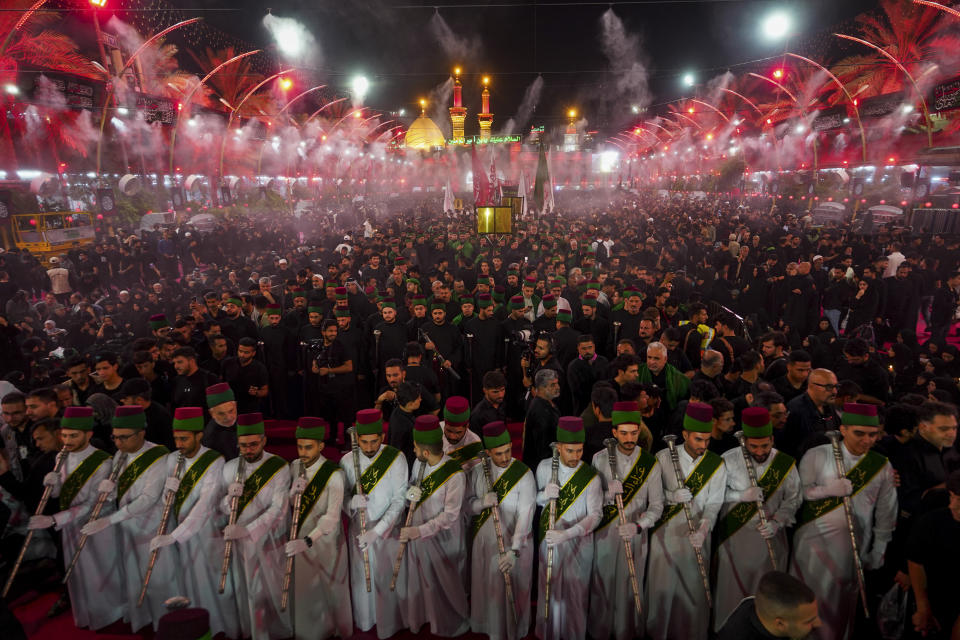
[
  {"x": 312, "y": 493},
  {"x": 769, "y": 482},
  {"x": 258, "y": 479},
  {"x": 631, "y": 484},
  {"x": 377, "y": 469},
  {"x": 569, "y": 493},
  {"x": 507, "y": 481},
  {"x": 191, "y": 477},
  {"x": 859, "y": 476},
  {"x": 436, "y": 479},
  {"x": 697, "y": 480},
  {"x": 466, "y": 452},
  {"x": 76, "y": 480},
  {"x": 136, "y": 468}
]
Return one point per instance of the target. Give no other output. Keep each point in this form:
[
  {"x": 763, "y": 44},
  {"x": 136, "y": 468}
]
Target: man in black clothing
[
  {"x": 923, "y": 471},
  {"x": 727, "y": 340},
  {"x": 491, "y": 408},
  {"x": 794, "y": 382},
  {"x": 400, "y": 431},
  {"x": 540, "y": 426},
  {"x": 279, "y": 357},
  {"x": 585, "y": 370},
  {"x": 395, "y": 372},
  {"x": 234, "y": 324},
  {"x": 444, "y": 339},
  {"x": 334, "y": 367},
  {"x": 590, "y": 322},
  {"x": 220, "y": 432},
  {"x": 81, "y": 383},
  {"x": 191, "y": 380},
  {"x": 247, "y": 376},
  {"x": 869, "y": 374},
  {"x": 13, "y": 410},
  {"x": 484, "y": 345},
  {"x": 29, "y": 490},
  {"x": 565, "y": 339},
  {"x": 602, "y": 400},
  {"x": 511, "y": 330},
  {"x": 391, "y": 342},
  {"x": 811, "y": 414},
  {"x": 147, "y": 370},
  {"x": 783, "y": 607},
  {"x": 159, "y": 421}
]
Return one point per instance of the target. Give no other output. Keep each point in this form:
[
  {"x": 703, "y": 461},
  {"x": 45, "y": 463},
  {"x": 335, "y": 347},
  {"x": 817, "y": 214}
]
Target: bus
[{"x": 50, "y": 234}]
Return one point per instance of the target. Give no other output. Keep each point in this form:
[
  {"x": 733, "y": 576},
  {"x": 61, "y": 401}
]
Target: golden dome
[{"x": 424, "y": 134}]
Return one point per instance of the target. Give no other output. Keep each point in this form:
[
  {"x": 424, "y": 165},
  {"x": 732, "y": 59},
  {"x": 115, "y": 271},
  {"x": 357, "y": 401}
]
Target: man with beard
[
  {"x": 584, "y": 371},
  {"x": 260, "y": 530},
  {"x": 902, "y": 300},
  {"x": 514, "y": 346},
  {"x": 95, "y": 586},
  {"x": 444, "y": 339},
  {"x": 220, "y": 432},
  {"x": 320, "y": 591},
  {"x": 637, "y": 482},
  {"x": 309, "y": 334},
  {"x": 139, "y": 509},
  {"x": 391, "y": 341},
  {"x": 484, "y": 344},
  {"x": 491, "y": 408},
  {"x": 783, "y": 607},
  {"x": 676, "y": 594},
  {"x": 233, "y": 323},
  {"x": 579, "y": 501},
  {"x": 247, "y": 376},
  {"x": 195, "y": 534},
  {"x": 382, "y": 471},
  {"x": 298, "y": 315},
  {"x": 822, "y": 548},
  {"x": 742, "y": 554},
  {"x": 459, "y": 442},
  {"x": 868, "y": 374},
  {"x": 279, "y": 358},
  {"x": 810, "y": 415},
  {"x": 191, "y": 380},
  {"x": 625, "y": 322},
  {"x": 511, "y": 489},
  {"x": 395, "y": 373},
  {"x": 334, "y": 370},
  {"x": 542, "y": 416},
  {"x": 591, "y": 323}
]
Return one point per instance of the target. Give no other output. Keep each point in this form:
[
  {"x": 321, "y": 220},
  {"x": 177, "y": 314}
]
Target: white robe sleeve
[
  {"x": 527, "y": 490},
  {"x": 83, "y": 503},
  {"x": 472, "y": 502},
  {"x": 153, "y": 479},
  {"x": 654, "y": 488},
  {"x": 786, "y": 514},
  {"x": 331, "y": 517},
  {"x": 209, "y": 489},
  {"x": 715, "y": 489},
  {"x": 398, "y": 480},
  {"x": 809, "y": 469},
  {"x": 452, "y": 503},
  {"x": 279, "y": 503},
  {"x": 594, "y": 496}
]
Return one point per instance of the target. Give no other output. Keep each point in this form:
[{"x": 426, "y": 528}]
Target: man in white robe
[
  {"x": 260, "y": 532},
  {"x": 195, "y": 524},
  {"x": 613, "y": 610},
  {"x": 579, "y": 505},
  {"x": 436, "y": 547},
  {"x": 742, "y": 554},
  {"x": 677, "y": 602},
  {"x": 96, "y": 585},
  {"x": 512, "y": 490},
  {"x": 383, "y": 475},
  {"x": 320, "y": 596},
  {"x": 139, "y": 509},
  {"x": 822, "y": 549}
]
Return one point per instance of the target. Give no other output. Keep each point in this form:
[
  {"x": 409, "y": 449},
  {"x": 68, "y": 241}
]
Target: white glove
[
  {"x": 235, "y": 489},
  {"x": 646, "y": 520},
  {"x": 556, "y": 536},
  {"x": 413, "y": 494},
  {"x": 235, "y": 532},
  {"x": 874, "y": 559},
  {"x": 171, "y": 484},
  {"x": 40, "y": 522},
  {"x": 698, "y": 537},
  {"x": 615, "y": 487},
  {"x": 490, "y": 500},
  {"x": 506, "y": 561},
  {"x": 678, "y": 496},
  {"x": 299, "y": 485},
  {"x": 358, "y": 502},
  {"x": 106, "y": 486},
  {"x": 52, "y": 479},
  {"x": 95, "y": 526},
  {"x": 296, "y": 546},
  {"x": 769, "y": 530},
  {"x": 551, "y": 491},
  {"x": 627, "y": 530},
  {"x": 409, "y": 533},
  {"x": 161, "y": 541},
  {"x": 751, "y": 494},
  {"x": 839, "y": 487},
  {"x": 365, "y": 539}
]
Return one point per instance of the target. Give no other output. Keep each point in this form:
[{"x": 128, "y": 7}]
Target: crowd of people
[{"x": 623, "y": 420}]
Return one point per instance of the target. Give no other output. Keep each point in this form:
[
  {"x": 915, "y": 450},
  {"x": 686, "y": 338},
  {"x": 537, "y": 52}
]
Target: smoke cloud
[
  {"x": 627, "y": 62},
  {"x": 294, "y": 41},
  {"x": 456, "y": 48},
  {"x": 531, "y": 97}
]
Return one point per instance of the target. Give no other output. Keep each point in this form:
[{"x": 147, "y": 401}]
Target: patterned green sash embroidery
[
  {"x": 465, "y": 453},
  {"x": 631, "y": 485},
  {"x": 436, "y": 479},
  {"x": 697, "y": 480},
  {"x": 136, "y": 468},
  {"x": 312, "y": 493},
  {"x": 258, "y": 479},
  {"x": 569, "y": 493},
  {"x": 859, "y": 476},
  {"x": 191, "y": 477},
  {"x": 377, "y": 469},
  {"x": 507, "y": 481},
  {"x": 769, "y": 482},
  {"x": 76, "y": 480}
]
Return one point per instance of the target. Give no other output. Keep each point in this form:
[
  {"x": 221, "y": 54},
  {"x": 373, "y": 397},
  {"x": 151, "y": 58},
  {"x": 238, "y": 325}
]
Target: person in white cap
[{"x": 59, "y": 281}]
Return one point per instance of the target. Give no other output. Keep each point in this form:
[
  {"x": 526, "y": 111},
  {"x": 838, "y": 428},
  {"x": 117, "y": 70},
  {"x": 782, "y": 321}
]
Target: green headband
[{"x": 311, "y": 433}]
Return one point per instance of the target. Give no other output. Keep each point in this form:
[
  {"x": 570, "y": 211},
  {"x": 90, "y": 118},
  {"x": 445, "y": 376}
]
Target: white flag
[{"x": 448, "y": 197}]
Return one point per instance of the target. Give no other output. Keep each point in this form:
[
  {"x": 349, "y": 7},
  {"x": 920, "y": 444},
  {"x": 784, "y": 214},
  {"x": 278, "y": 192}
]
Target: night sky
[{"x": 515, "y": 40}]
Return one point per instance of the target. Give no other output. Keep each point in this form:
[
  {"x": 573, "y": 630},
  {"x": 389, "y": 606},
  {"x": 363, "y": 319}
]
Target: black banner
[
  {"x": 946, "y": 96},
  {"x": 882, "y": 105}
]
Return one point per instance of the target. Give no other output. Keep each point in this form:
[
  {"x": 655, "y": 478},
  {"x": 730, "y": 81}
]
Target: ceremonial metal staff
[
  {"x": 611, "y": 445},
  {"x": 761, "y": 514},
  {"x": 409, "y": 520},
  {"x": 94, "y": 514},
  {"x": 470, "y": 366},
  {"x": 439, "y": 356},
  {"x": 162, "y": 529},
  {"x": 355, "y": 449},
  {"x": 552, "y": 522},
  {"x": 47, "y": 490},
  {"x": 616, "y": 334},
  {"x": 234, "y": 510},
  {"x": 834, "y": 437},
  {"x": 671, "y": 441},
  {"x": 377, "y": 333},
  {"x": 498, "y": 529},
  {"x": 294, "y": 526}
]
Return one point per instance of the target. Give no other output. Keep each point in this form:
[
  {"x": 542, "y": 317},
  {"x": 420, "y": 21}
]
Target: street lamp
[
  {"x": 688, "y": 79},
  {"x": 776, "y": 26},
  {"x": 360, "y": 85}
]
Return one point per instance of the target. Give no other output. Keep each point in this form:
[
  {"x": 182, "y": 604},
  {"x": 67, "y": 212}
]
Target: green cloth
[
  {"x": 436, "y": 479},
  {"x": 507, "y": 481},
  {"x": 315, "y": 487},
  {"x": 859, "y": 476},
  {"x": 631, "y": 485},
  {"x": 76, "y": 480},
  {"x": 192, "y": 476},
  {"x": 678, "y": 385},
  {"x": 569, "y": 493},
  {"x": 699, "y": 477},
  {"x": 378, "y": 469},
  {"x": 136, "y": 468},
  {"x": 259, "y": 479},
  {"x": 769, "y": 482}
]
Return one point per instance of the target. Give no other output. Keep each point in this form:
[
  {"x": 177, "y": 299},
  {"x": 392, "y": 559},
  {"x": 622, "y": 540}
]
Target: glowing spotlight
[
  {"x": 572, "y": 113},
  {"x": 456, "y": 71},
  {"x": 690, "y": 110},
  {"x": 12, "y": 89},
  {"x": 290, "y": 40},
  {"x": 776, "y": 26},
  {"x": 635, "y": 109},
  {"x": 486, "y": 80},
  {"x": 778, "y": 74},
  {"x": 688, "y": 79},
  {"x": 286, "y": 83},
  {"x": 360, "y": 86}
]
